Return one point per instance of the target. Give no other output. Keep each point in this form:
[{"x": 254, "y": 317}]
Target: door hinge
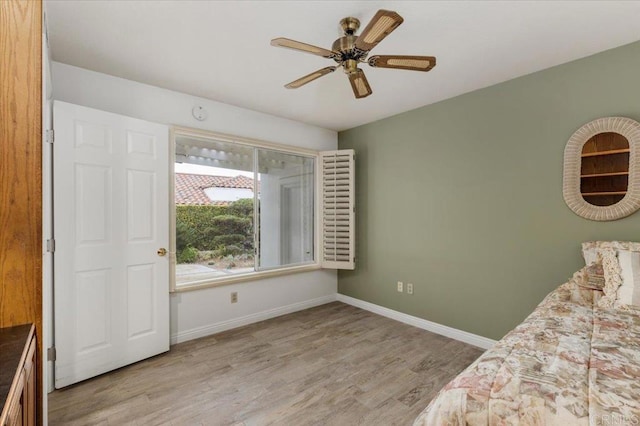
[
  {"x": 49, "y": 136},
  {"x": 51, "y": 245},
  {"x": 51, "y": 354}
]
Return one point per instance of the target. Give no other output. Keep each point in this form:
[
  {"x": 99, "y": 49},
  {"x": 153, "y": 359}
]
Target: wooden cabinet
[
  {"x": 20, "y": 178},
  {"x": 18, "y": 366}
]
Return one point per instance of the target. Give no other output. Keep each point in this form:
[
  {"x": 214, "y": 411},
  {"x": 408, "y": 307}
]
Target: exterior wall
[{"x": 228, "y": 194}]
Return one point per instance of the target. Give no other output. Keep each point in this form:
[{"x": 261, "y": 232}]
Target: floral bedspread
[{"x": 569, "y": 363}]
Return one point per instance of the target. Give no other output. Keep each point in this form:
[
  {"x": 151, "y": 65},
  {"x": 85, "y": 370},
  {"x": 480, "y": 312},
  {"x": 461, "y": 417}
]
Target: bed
[{"x": 573, "y": 361}]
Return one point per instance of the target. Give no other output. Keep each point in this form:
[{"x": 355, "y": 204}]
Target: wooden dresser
[{"x": 18, "y": 375}]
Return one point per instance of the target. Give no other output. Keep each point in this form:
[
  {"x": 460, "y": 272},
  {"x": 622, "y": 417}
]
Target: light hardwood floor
[{"x": 333, "y": 364}]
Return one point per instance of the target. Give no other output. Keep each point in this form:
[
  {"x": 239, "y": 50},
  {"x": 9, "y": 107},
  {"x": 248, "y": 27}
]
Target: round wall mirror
[{"x": 602, "y": 170}]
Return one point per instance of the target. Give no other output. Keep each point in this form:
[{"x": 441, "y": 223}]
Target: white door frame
[{"x": 47, "y": 337}]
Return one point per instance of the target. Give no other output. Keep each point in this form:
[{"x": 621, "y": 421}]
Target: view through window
[{"x": 240, "y": 209}]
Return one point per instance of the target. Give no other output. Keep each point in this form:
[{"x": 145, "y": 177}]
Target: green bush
[
  {"x": 195, "y": 216},
  {"x": 229, "y": 240},
  {"x": 184, "y": 235},
  {"x": 215, "y": 227},
  {"x": 187, "y": 255},
  {"x": 230, "y": 250},
  {"x": 242, "y": 208},
  {"x": 232, "y": 225}
]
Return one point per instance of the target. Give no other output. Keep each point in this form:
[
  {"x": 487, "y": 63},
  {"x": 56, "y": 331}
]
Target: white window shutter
[{"x": 338, "y": 209}]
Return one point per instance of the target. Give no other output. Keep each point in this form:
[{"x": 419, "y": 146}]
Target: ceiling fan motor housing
[
  {"x": 345, "y": 46},
  {"x": 350, "y": 55}
]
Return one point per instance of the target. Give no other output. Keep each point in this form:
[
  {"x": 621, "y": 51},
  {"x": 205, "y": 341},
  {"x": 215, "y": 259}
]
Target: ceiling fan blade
[
  {"x": 359, "y": 84},
  {"x": 303, "y": 47},
  {"x": 380, "y": 26},
  {"x": 310, "y": 77},
  {"x": 403, "y": 62}
]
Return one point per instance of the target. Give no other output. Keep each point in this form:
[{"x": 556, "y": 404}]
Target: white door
[{"x": 111, "y": 217}]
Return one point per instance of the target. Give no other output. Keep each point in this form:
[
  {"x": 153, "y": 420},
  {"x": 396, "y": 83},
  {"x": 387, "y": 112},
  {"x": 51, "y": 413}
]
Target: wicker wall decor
[{"x": 601, "y": 179}]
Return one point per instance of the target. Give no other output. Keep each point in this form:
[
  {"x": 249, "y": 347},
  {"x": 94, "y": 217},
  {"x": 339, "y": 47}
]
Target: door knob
[{"x": 162, "y": 251}]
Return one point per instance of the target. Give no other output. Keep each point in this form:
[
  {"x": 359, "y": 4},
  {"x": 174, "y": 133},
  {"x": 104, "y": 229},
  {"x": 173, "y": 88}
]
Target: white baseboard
[
  {"x": 218, "y": 327},
  {"x": 454, "y": 333},
  {"x": 207, "y": 330}
]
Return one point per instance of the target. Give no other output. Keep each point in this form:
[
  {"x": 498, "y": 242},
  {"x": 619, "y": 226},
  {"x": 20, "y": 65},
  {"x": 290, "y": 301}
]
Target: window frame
[{"x": 175, "y": 131}]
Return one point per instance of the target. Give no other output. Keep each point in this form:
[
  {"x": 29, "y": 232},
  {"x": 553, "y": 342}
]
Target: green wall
[{"x": 463, "y": 198}]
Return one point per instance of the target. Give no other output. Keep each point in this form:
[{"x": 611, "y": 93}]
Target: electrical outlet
[
  {"x": 400, "y": 286},
  {"x": 234, "y": 297},
  {"x": 409, "y": 288}
]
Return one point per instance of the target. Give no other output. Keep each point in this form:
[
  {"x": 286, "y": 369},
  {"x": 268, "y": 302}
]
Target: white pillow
[
  {"x": 629, "y": 290},
  {"x": 621, "y": 264},
  {"x": 592, "y": 250}
]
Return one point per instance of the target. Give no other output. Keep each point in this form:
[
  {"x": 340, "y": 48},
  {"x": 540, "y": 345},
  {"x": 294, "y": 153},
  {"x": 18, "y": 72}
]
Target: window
[
  {"x": 285, "y": 209},
  {"x": 244, "y": 208}
]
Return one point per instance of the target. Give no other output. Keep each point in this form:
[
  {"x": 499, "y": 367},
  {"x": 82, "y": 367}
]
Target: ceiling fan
[{"x": 350, "y": 50}]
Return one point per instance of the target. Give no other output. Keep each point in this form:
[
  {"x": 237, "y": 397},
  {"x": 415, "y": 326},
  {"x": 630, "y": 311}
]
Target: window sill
[{"x": 252, "y": 276}]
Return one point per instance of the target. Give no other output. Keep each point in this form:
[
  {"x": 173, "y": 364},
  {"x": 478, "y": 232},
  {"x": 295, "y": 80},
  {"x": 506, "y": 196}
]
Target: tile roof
[{"x": 190, "y": 188}]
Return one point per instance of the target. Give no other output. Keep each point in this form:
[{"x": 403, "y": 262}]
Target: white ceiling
[{"x": 220, "y": 50}]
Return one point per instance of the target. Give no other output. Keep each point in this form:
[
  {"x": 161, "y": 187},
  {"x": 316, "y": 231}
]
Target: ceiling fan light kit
[{"x": 350, "y": 50}]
